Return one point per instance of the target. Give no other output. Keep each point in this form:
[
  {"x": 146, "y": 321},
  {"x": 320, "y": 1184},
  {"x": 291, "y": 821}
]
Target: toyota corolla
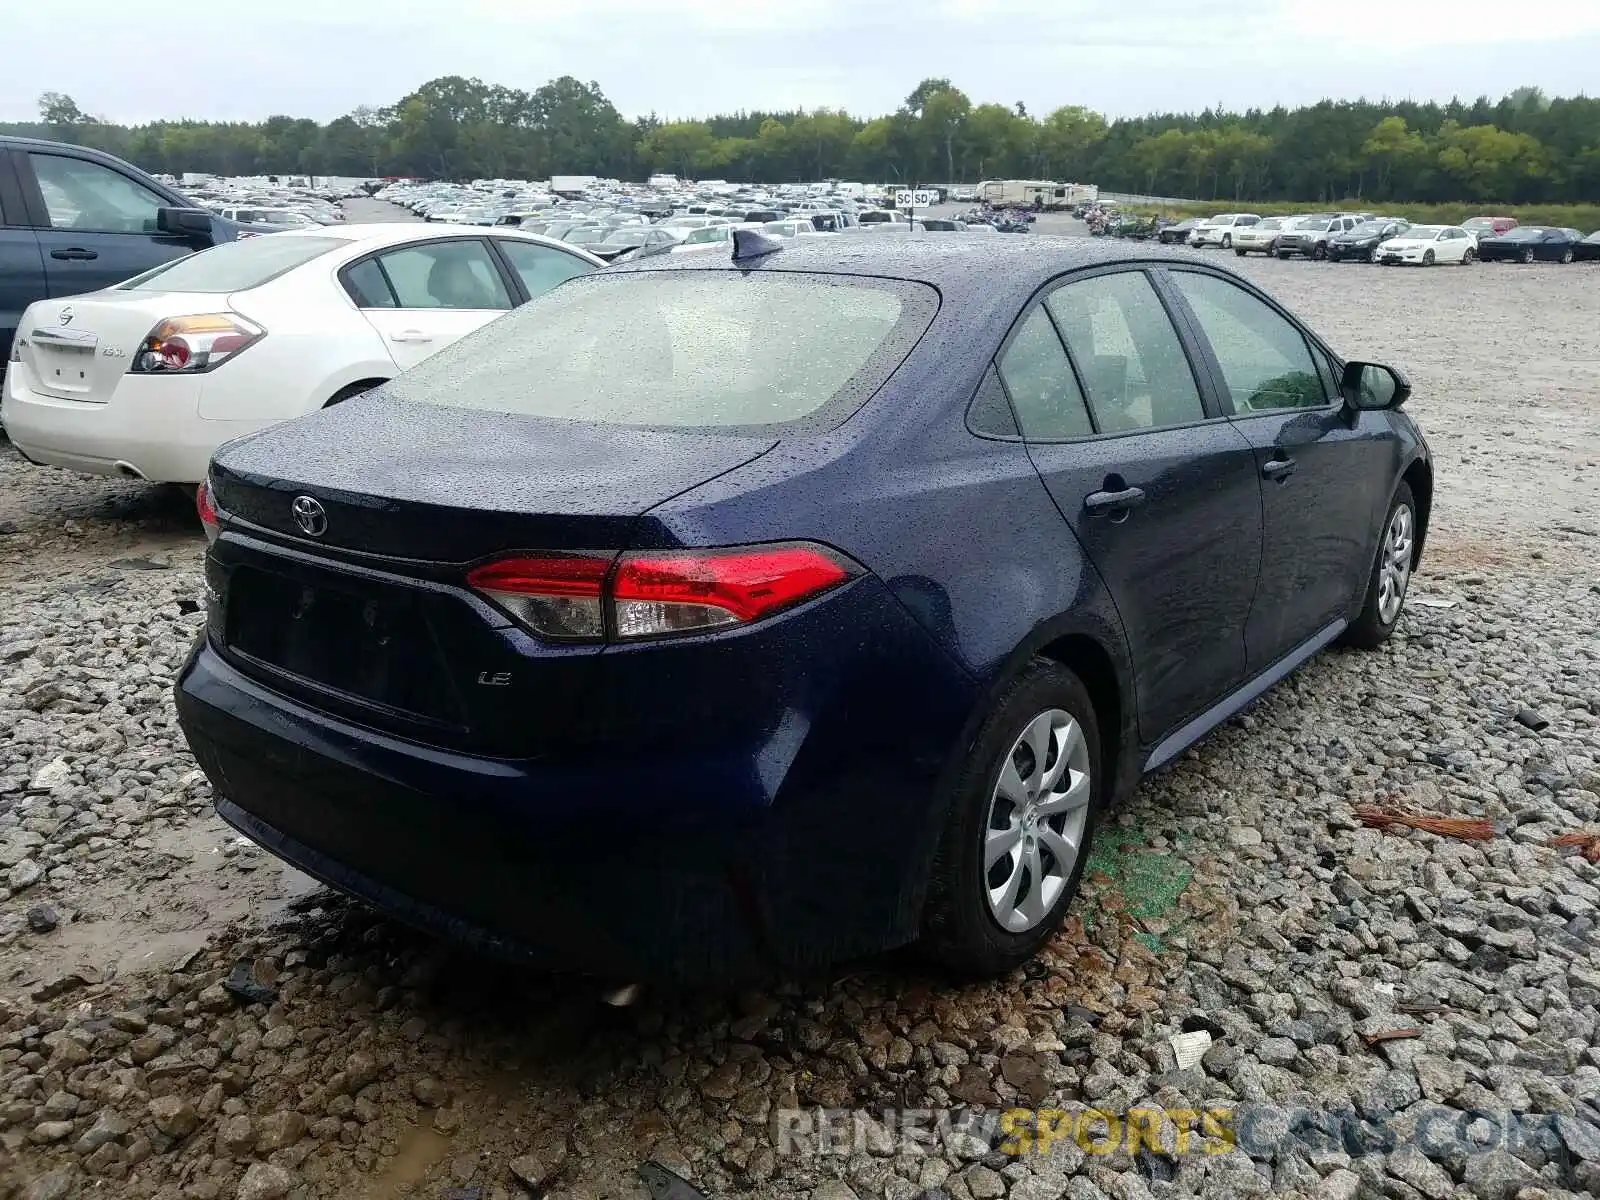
[{"x": 712, "y": 615}]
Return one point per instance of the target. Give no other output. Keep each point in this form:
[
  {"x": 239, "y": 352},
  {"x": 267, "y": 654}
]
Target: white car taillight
[
  {"x": 192, "y": 345},
  {"x": 206, "y": 507},
  {"x": 582, "y": 598}
]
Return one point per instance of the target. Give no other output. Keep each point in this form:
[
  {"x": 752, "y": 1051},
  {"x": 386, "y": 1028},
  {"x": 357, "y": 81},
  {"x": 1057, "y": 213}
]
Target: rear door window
[
  {"x": 459, "y": 273},
  {"x": 88, "y": 197},
  {"x": 1039, "y": 380},
  {"x": 1127, "y": 352}
]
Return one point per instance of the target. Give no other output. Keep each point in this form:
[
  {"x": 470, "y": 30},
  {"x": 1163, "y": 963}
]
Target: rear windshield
[
  {"x": 685, "y": 349},
  {"x": 233, "y": 266}
]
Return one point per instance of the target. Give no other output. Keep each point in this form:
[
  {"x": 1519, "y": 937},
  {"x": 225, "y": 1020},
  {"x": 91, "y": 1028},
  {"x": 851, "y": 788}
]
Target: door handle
[
  {"x": 75, "y": 253},
  {"x": 1278, "y": 468},
  {"x": 1096, "y": 503},
  {"x": 410, "y": 335}
]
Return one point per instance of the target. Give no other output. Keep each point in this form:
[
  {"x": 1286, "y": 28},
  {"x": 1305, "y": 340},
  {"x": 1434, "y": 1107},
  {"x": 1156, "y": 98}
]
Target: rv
[{"x": 1035, "y": 193}]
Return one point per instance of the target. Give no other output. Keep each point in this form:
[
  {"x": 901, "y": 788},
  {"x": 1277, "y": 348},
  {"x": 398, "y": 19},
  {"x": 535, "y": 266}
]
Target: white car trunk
[{"x": 79, "y": 347}]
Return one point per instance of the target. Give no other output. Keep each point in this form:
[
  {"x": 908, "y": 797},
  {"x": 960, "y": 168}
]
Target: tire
[
  {"x": 1427, "y": 259},
  {"x": 1319, "y": 252},
  {"x": 1372, "y": 255},
  {"x": 353, "y": 389},
  {"x": 1387, "y": 581},
  {"x": 963, "y": 921},
  {"x": 1227, "y": 241},
  {"x": 1240, "y": 253},
  {"x": 1566, "y": 257},
  {"x": 1284, "y": 255},
  {"x": 1468, "y": 257},
  {"x": 1527, "y": 256}
]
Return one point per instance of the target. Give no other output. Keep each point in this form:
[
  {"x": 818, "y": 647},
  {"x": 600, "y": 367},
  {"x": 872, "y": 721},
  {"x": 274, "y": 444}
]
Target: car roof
[
  {"x": 988, "y": 275},
  {"x": 389, "y": 233}
]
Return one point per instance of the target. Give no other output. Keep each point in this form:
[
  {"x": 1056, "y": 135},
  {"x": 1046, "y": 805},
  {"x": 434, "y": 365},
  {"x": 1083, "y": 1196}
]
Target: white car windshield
[
  {"x": 233, "y": 266},
  {"x": 1422, "y": 233}
]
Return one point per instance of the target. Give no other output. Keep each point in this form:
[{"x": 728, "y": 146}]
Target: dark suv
[{"x": 76, "y": 220}]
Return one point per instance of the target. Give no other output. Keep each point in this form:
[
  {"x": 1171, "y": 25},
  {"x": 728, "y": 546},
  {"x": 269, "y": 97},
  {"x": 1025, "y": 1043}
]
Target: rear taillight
[
  {"x": 207, "y": 508},
  {"x": 560, "y": 597},
  {"x": 192, "y": 345},
  {"x": 649, "y": 595}
]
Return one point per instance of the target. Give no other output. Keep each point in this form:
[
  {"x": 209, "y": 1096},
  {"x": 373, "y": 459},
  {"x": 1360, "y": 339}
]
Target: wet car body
[{"x": 752, "y": 798}]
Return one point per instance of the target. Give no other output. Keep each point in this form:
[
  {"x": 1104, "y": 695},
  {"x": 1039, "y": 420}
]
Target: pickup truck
[{"x": 76, "y": 220}]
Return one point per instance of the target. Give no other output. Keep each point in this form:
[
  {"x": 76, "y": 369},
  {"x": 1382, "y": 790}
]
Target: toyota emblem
[
  {"x": 310, "y": 516},
  {"x": 65, "y": 316}
]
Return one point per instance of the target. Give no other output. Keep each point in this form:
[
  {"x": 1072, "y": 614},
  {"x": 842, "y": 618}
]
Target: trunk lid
[
  {"x": 449, "y": 485},
  {"x": 371, "y": 619},
  {"x": 80, "y": 347}
]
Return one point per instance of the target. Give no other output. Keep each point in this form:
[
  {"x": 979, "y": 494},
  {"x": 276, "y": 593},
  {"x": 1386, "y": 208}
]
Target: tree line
[{"x": 1525, "y": 148}]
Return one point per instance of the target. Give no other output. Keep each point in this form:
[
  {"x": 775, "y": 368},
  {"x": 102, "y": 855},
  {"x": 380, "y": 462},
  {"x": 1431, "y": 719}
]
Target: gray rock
[
  {"x": 174, "y": 1116},
  {"x": 24, "y": 875},
  {"x": 1410, "y": 1165},
  {"x": 42, "y": 918},
  {"x": 834, "y": 1189},
  {"x": 1339, "y": 1184},
  {"x": 53, "y": 1185},
  {"x": 1496, "y": 1176},
  {"x": 264, "y": 1181}
]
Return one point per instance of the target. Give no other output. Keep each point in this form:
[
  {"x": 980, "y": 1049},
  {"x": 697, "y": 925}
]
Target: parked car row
[{"x": 1369, "y": 237}]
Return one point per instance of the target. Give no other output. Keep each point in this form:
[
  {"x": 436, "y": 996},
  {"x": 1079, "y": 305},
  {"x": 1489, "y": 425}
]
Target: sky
[{"x": 690, "y": 58}]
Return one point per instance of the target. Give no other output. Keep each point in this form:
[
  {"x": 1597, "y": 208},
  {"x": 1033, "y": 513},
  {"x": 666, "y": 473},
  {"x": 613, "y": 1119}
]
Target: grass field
[{"x": 1584, "y": 217}]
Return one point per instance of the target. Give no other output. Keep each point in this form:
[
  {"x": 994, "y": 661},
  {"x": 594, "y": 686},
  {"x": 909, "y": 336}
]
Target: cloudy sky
[{"x": 681, "y": 58}]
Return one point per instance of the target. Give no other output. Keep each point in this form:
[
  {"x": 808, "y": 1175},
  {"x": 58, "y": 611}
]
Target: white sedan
[
  {"x": 146, "y": 379},
  {"x": 1426, "y": 245}
]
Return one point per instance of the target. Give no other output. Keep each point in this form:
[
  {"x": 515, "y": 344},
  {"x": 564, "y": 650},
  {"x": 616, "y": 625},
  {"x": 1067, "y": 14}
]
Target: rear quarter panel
[{"x": 317, "y": 342}]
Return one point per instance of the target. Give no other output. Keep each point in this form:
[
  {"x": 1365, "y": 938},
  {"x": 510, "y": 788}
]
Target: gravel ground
[{"x": 182, "y": 1017}]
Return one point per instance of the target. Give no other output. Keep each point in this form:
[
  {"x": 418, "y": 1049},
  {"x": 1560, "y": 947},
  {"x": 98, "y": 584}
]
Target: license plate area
[
  {"x": 371, "y": 643},
  {"x": 64, "y": 359}
]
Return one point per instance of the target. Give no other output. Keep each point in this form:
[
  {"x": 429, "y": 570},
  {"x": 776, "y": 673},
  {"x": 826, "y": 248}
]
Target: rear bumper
[
  {"x": 709, "y": 864},
  {"x": 149, "y": 428}
]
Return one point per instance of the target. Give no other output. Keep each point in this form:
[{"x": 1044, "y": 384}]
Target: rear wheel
[
  {"x": 1372, "y": 255},
  {"x": 1566, "y": 256},
  {"x": 1319, "y": 252},
  {"x": 1391, "y": 574},
  {"x": 1468, "y": 257},
  {"x": 1239, "y": 252},
  {"x": 1527, "y": 256},
  {"x": 1018, "y": 827}
]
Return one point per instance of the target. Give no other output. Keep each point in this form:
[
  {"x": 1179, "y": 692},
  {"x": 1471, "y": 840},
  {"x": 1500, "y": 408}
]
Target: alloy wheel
[
  {"x": 1527, "y": 256},
  {"x": 1394, "y": 568},
  {"x": 1468, "y": 257},
  {"x": 1566, "y": 257},
  {"x": 1037, "y": 815}
]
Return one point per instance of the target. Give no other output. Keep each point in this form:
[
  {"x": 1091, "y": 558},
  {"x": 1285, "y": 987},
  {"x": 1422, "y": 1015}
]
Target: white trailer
[
  {"x": 572, "y": 185},
  {"x": 1040, "y": 193}
]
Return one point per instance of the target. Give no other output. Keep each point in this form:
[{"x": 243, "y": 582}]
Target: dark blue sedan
[{"x": 708, "y": 617}]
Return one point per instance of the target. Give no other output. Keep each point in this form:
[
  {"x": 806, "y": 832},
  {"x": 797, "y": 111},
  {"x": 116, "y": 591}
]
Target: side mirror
[
  {"x": 1373, "y": 387},
  {"x": 186, "y": 222}
]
